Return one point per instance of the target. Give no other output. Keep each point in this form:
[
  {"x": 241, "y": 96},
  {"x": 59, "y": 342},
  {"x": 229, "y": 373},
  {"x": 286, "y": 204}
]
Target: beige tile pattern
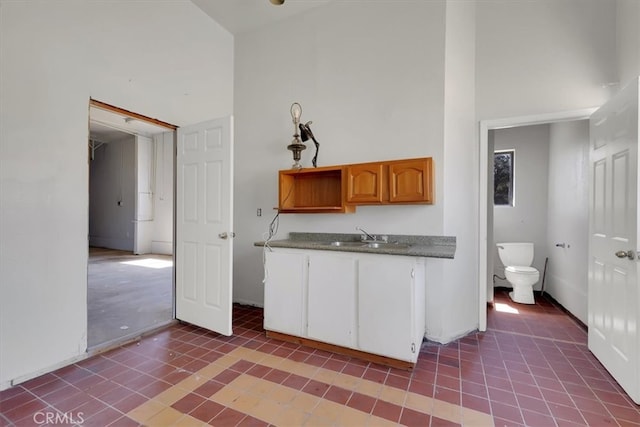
[{"x": 280, "y": 405}]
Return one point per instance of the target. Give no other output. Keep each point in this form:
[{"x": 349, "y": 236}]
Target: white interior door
[
  {"x": 204, "y": 224},
  {"x": 613, "y": 296}
]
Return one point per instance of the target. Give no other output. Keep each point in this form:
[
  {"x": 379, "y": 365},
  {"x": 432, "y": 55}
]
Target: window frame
[{"x": 511, "y": 196}]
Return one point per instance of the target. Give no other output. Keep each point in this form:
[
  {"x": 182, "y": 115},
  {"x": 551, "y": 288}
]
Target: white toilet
[{"x": 517, "y": 259}]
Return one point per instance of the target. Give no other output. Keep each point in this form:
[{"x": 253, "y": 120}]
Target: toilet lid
[{"x": 521, "y": 269}]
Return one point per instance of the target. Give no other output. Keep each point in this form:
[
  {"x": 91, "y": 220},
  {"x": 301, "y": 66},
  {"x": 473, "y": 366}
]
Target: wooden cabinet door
[
  {"x": 331, "y": 312},
  {"x": 284, "y": 292},
  {"x": 364, "y": 183},
  {"x": 410, "y": 181},
  {"x": 386, "y": 309}
]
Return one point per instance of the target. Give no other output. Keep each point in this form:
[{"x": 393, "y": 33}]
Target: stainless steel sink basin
[
  {"x": 352, "y": 244},
  {"x": 377, "y": 245},
  {"x": 371, "y": 245}
]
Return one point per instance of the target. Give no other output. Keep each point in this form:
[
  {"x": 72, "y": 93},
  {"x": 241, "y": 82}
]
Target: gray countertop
[{"x": 403, "y": 245}]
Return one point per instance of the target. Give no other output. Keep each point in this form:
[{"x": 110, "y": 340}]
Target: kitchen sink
[
  {"x": 352, "y": 244},
  {"x": 372, "y": 245},
  {"x": 377, "y": 245}
]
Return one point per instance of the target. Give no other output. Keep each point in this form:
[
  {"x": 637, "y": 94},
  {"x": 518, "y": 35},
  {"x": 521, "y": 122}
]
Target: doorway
[
  {"x": 486, "y": 249},
  {"x": 131, "y": 226}
]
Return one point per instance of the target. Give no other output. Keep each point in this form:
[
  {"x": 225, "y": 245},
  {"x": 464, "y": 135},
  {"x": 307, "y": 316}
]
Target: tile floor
[{"x": 530, "y": 368}]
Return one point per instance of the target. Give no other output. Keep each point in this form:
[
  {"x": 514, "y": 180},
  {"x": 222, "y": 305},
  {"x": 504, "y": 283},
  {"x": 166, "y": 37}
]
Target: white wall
[
  {"x": 167, "y": 60},
  {"x": 112, "y": 195},
  {"x": 144, "y": 183},
  {"x": 162, "y": 240},
  {"x": 373, "y": 84},
  {"x": 371, "y": 80},
  {"x": 568, "y": 215},
  {"x": 454, "y": 299},
  {"x": 526, "y": 221},
  {"x": 628, "y": 40},
  {"x": 119, "y": 170},
  {"x": 537, "y": 57}
]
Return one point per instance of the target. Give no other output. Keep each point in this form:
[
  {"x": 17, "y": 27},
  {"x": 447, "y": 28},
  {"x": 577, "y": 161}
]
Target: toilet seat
[{"x": 520, "y": 269}]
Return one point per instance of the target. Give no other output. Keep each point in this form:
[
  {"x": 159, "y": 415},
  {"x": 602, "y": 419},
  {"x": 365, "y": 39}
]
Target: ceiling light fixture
[{"x": 277, "y": 2}]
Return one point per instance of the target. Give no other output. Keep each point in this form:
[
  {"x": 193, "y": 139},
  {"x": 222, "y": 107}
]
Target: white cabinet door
[
  {"x": 284, "y": 292},
  {"x": 331, "y": 312},
  {"x": 386, "y": 309}
]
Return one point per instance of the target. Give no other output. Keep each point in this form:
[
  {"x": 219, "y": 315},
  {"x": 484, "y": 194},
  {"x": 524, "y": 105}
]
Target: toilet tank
[{"x": 515, "y": 253}]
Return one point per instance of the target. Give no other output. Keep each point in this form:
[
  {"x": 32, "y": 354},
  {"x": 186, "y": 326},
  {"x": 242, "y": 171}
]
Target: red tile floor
[{"x": 531, "y": 367}]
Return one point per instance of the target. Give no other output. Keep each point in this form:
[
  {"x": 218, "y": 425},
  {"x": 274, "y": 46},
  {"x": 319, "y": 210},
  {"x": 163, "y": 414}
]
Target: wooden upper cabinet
[
  {"x": 317, "y": 190},
  {"x": 410, "y": 181},
  {"x": 340, "y": 189},
  {"x": 364, "y": 183}
]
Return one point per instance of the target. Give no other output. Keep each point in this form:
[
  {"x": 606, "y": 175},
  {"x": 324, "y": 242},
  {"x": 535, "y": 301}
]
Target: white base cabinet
[
  {"x": 331, "y": 298},
  {"x": 285, "y": 292},
  {"x": 391, "y": 306},
  {"x": 366, "y": 302}
]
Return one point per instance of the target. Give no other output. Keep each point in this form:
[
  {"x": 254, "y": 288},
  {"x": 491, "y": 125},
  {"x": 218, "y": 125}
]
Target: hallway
[
  {"x": 127, "y": 294},
  {"x": 531, "y": 367}
]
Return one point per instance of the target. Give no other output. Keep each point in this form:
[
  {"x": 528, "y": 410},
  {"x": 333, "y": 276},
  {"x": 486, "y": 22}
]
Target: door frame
[
  {"x": 485, "y": 266},
  {"x": 170, "y": 128}
]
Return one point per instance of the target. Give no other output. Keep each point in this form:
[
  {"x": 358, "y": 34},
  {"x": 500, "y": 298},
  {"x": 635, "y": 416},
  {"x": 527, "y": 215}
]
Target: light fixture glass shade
[
  {"x": 296, "y": 146},
  {"x": 296, "y": 112}
]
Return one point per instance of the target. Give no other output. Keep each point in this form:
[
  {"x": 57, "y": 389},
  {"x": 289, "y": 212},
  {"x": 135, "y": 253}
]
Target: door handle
[
  {"x": 626, "y": 254},
  {"x": 226, "y": 235}
]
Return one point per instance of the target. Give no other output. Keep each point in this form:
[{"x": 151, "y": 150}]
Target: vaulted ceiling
[{"x": 238, "y": 16}]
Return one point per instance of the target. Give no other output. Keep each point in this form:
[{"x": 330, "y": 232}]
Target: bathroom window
[{"x": 503, "y": 162}]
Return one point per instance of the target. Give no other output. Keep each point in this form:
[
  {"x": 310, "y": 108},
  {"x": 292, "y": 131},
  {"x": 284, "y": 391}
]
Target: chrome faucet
[{"x": 365, "y": 235}]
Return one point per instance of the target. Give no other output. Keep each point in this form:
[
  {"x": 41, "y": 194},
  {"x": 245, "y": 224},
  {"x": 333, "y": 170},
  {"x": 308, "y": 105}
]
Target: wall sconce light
[{"x": 296, "y": 146}]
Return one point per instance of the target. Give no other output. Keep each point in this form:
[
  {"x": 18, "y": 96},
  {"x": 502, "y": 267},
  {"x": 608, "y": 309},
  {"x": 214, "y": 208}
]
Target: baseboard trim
[
  {"x": 248, "y": 303},
  {"x": 553, "y": 301},
  {"x": 93, "y": 351},
  {"x": 26, "y": 377},
  {"x": 369, "y": 357}
]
